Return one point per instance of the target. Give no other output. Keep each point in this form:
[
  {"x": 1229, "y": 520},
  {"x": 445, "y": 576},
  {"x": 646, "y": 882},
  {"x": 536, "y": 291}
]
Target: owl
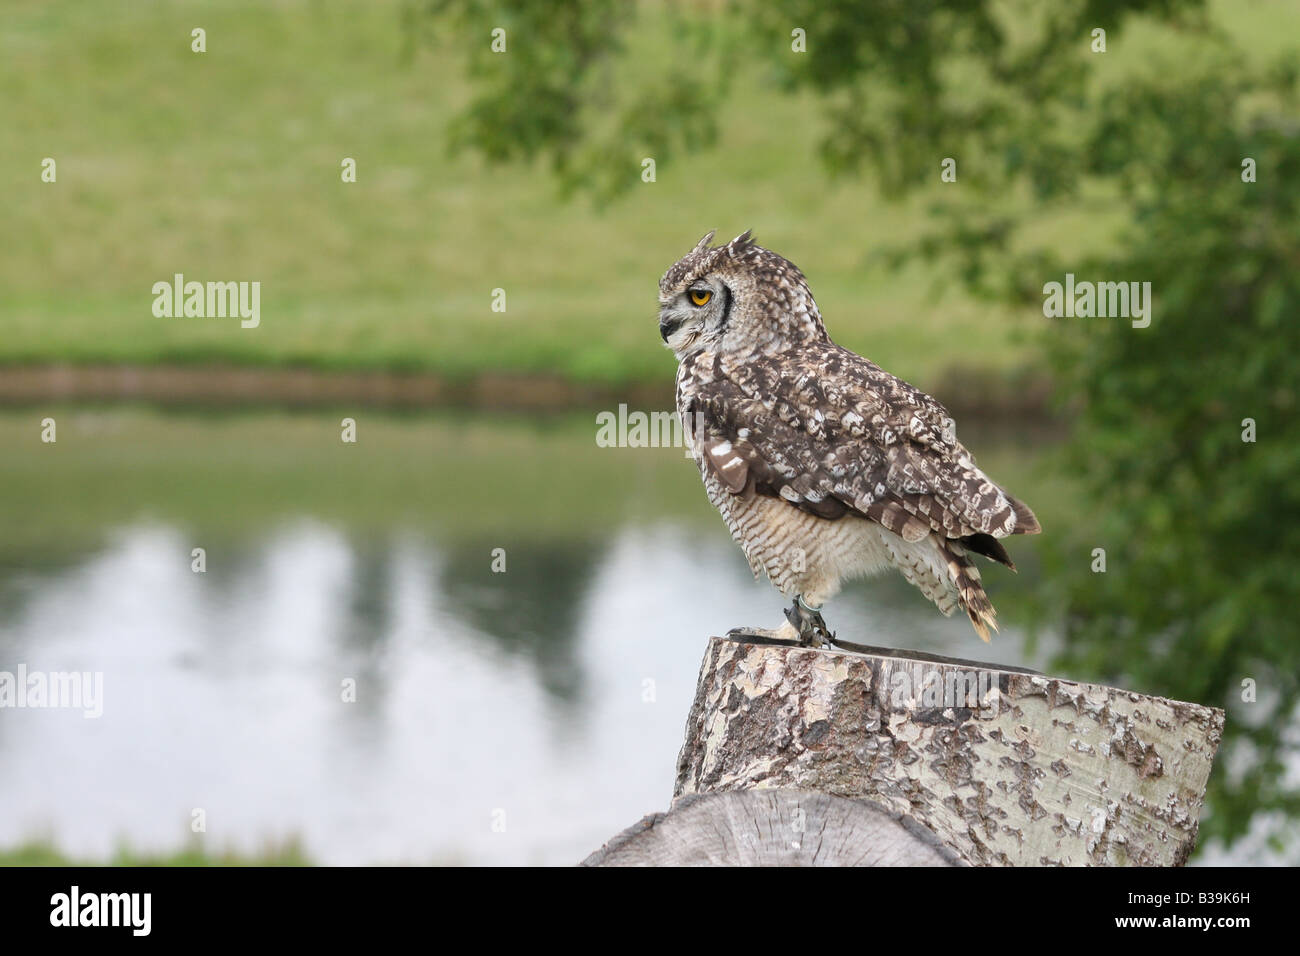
[{"x": 824, "y": 466}]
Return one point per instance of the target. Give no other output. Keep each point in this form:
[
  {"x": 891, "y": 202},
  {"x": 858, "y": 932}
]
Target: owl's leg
[{"x": 810, "y": 624}]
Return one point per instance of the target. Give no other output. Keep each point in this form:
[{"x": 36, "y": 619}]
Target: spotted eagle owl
[{"x": 824, "y": 466}]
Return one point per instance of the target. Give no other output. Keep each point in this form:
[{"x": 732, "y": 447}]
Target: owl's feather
[{"x": 832, "y": 433}]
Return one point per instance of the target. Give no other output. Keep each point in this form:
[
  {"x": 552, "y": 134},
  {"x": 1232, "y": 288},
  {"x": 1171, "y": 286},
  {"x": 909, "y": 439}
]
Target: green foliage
[
  {"x": 1199, "y": 526},
  {"x": 550, "y": 85},
  {"x": 901, "y": 83}
]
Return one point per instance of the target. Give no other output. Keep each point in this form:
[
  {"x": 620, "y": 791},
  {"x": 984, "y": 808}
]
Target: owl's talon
[{"x": 810, "y": 624}]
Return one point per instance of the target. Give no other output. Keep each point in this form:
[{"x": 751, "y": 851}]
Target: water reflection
[
  {"x": 532, "y": 609},
  {"x": 520, "y": 717},
  {"x": 552, "y": 697},
  {"x": 516, "y": 717}
]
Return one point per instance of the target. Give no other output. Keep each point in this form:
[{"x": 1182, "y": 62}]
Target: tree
[{"x": 1199, "y": 525}]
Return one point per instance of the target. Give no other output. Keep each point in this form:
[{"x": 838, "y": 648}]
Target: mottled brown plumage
[{"x": 824, "y": 465}]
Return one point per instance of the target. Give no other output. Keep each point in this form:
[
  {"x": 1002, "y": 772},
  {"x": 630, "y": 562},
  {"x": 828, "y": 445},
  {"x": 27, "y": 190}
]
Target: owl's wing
[{"x": 833, "y": 433}]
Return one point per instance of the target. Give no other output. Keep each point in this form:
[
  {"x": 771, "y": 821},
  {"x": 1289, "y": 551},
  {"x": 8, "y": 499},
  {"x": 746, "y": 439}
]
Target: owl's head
[{"x": 737, "y": 299}]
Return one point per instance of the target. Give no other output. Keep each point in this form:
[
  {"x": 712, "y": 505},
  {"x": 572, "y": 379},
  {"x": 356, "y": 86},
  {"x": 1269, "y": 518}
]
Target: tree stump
[
  {"x": 1004, "y": 767},
  {"x": 773, "y": 828}
]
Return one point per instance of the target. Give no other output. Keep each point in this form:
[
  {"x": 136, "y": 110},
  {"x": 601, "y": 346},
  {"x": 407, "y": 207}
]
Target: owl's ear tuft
[
  {"x": 704, "y": 243},
  {"x": 741, "y": 243}
]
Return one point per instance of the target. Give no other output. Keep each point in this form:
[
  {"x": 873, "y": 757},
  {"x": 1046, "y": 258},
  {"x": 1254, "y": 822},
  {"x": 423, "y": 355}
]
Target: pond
[{"x": 459, "y": 639}]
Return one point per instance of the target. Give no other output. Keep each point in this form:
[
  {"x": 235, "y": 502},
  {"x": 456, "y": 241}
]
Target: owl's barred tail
[{"x": 965, "y": 579}]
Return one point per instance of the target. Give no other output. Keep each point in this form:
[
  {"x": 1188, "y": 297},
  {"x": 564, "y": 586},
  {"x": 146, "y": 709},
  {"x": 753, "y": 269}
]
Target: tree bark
[{"x": 1004, "y": 767}]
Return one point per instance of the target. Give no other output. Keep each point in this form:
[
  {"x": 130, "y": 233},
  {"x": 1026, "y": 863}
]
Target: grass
[
  {"x": 45, "y": 853},
  {"x": 225, "y": 165}
]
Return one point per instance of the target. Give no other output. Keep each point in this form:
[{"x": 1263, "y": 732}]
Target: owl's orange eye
[{"x": 701, "y": 296}]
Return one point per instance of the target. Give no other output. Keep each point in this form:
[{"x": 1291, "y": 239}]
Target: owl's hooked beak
[{"x": 668, "y": 325}]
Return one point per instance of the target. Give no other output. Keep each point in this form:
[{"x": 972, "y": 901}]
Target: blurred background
[{"x": 524, "y": 716}]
